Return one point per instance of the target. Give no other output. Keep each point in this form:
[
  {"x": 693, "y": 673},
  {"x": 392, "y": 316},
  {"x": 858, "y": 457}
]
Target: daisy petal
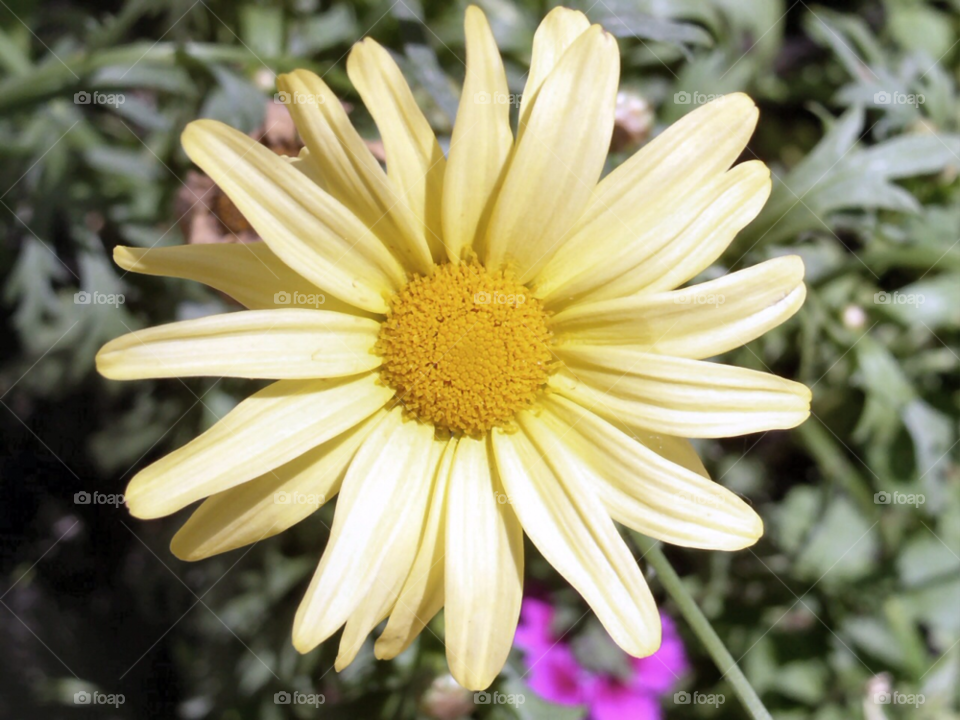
[
  {"x": 380, "y": 514},
  {"x": 674, "y": 449},
  {"x": 745, "y": 189},
  {"x": 303, "y": 225},
  {"x": 422, "y": 595},
  {"x": 697, "y": 322},
  {"x": 273, "y": 502},
  {"x": 415, "y": 162},
  {"x": 250, "y": 273},
  {"x": 270, "y": 344},
  {"x": 481, "y": 139},
  {"x": 484, "y": 569},
  {"x": 556, "y": 32},
  {"x": 263, "y": 432},
  {"x": 647, "y": 493},
  {"x": 566, "y": 521},
  {"x": 384, "y": 594},
  {"x": 558, "y": 159},
  {"x": 349, "y": 171},
  {"x": 651, "y": 197},
  {"x": 678, "y": 396}
]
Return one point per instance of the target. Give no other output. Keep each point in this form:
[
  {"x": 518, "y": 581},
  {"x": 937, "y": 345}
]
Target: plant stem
[{"x": 701, "y": 627}]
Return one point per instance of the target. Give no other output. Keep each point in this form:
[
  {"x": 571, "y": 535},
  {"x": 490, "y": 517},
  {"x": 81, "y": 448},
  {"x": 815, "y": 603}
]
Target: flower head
[{"x": 472, "y": 347}]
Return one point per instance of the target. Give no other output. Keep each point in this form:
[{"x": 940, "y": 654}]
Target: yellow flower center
[{"x": 465, "y": 349}]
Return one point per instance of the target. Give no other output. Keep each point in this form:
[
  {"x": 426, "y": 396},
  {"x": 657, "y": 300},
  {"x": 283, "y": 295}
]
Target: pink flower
[{"x": 554, "y": 673}]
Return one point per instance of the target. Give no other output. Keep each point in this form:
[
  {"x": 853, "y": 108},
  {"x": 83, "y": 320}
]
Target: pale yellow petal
[
  {"x": 380, "y": 514},
  {"x": 481, "y": 139},
  {"x": 674, "y": 449},
  {"x": 269, "y": 344},
  {"x": 558, "y": 159},
  {"x": 557, "y": 31},
  {"x": 384, "y": 594},
  {"x": 568, "y": 524},
  {"x": 349, "y": 171},
  {"x": 697, "y": 322},
  {"x": 745, "y": 189},
  {"x": 650, "y": 198},
  {"x": 691, "y": 398},
  {"x": 422, "y": 595},
  {"x": 645, "y": 492},
  {"x": 273, "y": 502},
  {"x": 306, "y": 228},
  {"x": 484, "y": 568},
  {"x": 263, "y": 432},
  {"x": 415, "y": 162},
  {"x": 250, "y": 273}
]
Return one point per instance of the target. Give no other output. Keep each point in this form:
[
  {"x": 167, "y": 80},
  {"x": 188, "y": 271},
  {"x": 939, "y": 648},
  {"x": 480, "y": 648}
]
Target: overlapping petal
[
  {"x": 415, "y": 162},
  {"x": 651, "y": 198},
  {"x": 568, "y": 524},
  {"x": 555, "y": 34},
  {"x": 422, "y": 595},
  {"x": 697, "y": 322},
  {"x": 691, "y": 398},
  {"x": 646, "y": 492},
  {"x": 268, "y": 429},
  {"x": 273, "y": 502},
  {"x": 484, "y": 568},
  {"x": 350, "y": 172},
  {"x": 379, "y": 518},
  {"x": 480, "y": 143},
  {"x": 558, "y": 158},
  {"x": 384, "y": 593},
  {"x": 303, "y": 225}
]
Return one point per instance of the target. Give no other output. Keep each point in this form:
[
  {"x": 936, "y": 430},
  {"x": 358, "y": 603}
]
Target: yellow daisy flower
[{"x": 502, "y": 348}]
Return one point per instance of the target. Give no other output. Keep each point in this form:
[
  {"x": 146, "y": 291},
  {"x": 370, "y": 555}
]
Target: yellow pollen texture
[{"x": 465, "y": 349}]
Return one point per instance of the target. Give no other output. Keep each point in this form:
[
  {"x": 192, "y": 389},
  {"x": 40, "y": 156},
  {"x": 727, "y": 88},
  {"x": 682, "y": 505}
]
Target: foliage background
[{"x": 841, "y": 597}]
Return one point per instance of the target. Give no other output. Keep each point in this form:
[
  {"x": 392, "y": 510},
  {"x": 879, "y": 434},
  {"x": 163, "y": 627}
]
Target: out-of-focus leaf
[
  {"x": 317, "y": 33},
  {"x": 261, "y": 30},
  {"x": 236, "y": 101},
  {"x": 842, "y": 547}
]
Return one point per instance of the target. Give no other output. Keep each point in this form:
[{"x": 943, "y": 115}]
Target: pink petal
[
  {"x": 533, "y": 632},
  {"x": 612, "y": 700},
  {"x": 660, "y": 672},
  {"x": 556, "y": 676}
]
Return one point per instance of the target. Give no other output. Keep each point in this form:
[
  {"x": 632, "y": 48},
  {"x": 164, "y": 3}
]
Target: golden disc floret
[{"x": 465, "y": 349}]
